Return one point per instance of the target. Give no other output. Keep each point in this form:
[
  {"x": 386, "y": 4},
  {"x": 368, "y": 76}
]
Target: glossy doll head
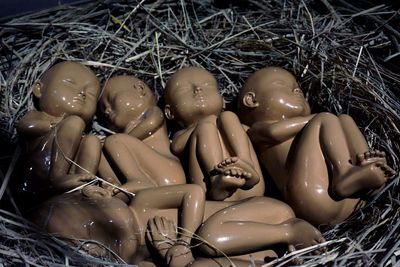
[
  {"x": 124, "y": 99},
  {"x": 271, "y": 94},
  {"x": 192, "y": 93},
  {"x": 68, "y": 88}
]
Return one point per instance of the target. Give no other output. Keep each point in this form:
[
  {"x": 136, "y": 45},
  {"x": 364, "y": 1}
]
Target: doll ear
[
  {"x": 167, "y": 112},
  {"x": 249, "y": 100},
  {"x": 140, "y": 87},
  {"x": 37, "y": 89}
]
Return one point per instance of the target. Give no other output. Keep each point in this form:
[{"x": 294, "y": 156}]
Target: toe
[{"x": 360, "y": 158}]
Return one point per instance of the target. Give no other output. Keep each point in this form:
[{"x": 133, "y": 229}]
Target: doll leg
[
  {"x": 66, "y": 141},
  {"x": 238, "y": 143},
  {"x": 233, "y": 132},
  {"x": 141, "y": 165},
  {"x": 162, "y": 236},
  {"x": 355, "y": 140},
  {"x": 188, "y": 199},
  {"x": 88, "y": 156},
  {"x": 358, "y": 147},
  {"x": 67, "y": 138},
  {"x": 208, "y": 144},
  {"x": 324, "y": 134},
  {"x": 208, "y": 151},
  {"x": 253, "y": 225}
]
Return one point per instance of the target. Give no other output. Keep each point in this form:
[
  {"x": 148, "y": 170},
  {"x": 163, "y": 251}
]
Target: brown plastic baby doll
[
  {"x": 67, "y": 96},
  {"x": 141, "y": 153},
  {"x": 222, "y": 228},
  {"x": 221, "y": 157},
  {"x": 320, "y": 162}
]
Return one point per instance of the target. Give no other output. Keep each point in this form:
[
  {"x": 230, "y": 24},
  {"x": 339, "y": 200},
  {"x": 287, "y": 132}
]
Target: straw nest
[{"x": 344, "y": 56}]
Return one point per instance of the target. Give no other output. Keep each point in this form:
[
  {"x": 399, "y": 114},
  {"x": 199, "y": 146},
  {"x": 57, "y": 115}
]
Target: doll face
[
  {"x": 125, "y": 99},
  {"x": 279, "y": 95},
  {"x": 68, "y": 88},
  {"x": 191, "y": 94}
]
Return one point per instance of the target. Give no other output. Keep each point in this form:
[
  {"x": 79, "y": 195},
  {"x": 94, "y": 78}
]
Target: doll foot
[
  {"x": 179, "y": 255},
  {"x": 240, "y": 168},
  {"x": 161, "y": 234},
  {"x": 370, "y": 157},
  {"x": 389, "y": 174},
  {"x": 366, "y": 179},
  {"x": 302, "y": 235}
]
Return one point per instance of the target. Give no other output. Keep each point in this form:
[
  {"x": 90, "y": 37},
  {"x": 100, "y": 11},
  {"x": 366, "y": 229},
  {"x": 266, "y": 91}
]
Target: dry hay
[{"x": 344, "y": 55}]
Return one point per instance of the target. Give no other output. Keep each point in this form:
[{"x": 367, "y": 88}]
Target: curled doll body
[
  {"x": 140, "y": 151},
  {"x": 54, "y": 134},
  {"x": 321, "y": 162},
  {"x": 220, "y": 156}
]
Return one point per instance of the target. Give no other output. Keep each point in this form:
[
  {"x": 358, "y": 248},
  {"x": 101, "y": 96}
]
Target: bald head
[{"x": 187, "y": 76}]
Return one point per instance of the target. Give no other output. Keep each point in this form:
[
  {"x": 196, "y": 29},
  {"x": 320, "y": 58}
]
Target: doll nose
[
  {"x": 83, "y": 93},
  {"x": 197, "y": 89}
]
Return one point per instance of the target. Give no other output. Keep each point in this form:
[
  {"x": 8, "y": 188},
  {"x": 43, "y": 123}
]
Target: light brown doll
[
  {"x": 141, "y": 153},
  {"x": 67, "y": 96},
  {"x": 221, "y": 157},
  {"x": 222, "y": 226},
  {"x": 320, "y": 162}
]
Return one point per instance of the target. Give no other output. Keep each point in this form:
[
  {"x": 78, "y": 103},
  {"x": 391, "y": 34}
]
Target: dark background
[{"x": 9, "y": 8}]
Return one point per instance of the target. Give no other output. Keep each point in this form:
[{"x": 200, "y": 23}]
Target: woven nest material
[{"x": 344, "y": 55}]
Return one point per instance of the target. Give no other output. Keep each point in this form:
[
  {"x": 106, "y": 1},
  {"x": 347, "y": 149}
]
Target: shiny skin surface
[{"x": 321, "y": 162}]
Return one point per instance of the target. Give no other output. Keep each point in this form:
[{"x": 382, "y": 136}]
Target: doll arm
[
  {"x": 188, "y": 199},
  {"x": 180, "y": 140},
  {"x": 64, "y": 183},
  {"x": 151, "y": 120},
  {"x": 279, "y": 131},
  {"x": 35, "y": 124}
]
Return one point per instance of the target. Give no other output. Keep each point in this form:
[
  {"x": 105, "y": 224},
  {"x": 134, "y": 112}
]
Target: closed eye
[{"x": 69, "y": 80}]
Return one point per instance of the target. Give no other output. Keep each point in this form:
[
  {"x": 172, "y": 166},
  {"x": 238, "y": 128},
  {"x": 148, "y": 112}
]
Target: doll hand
[
  {"x": 94, "y": 192},
  {"x": 179, "y": 255},
  {"x": 71, "y": 181}
]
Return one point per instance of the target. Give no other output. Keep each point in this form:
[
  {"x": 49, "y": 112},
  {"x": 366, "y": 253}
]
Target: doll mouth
[{"x": 80, "y": 98}]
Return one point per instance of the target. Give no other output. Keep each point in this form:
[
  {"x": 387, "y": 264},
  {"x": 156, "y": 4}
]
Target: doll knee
[
  {"x": 228, "y": 116},
  {"x": 195, "y": 191},
  {"x": 114, "y": 141},
  {"x": 324, "y": 116},
  {"x": 207, "y": 241},
  {"x": 91, "y": 141},
  {"x": 346, "y": 118},
  {"x": 205, "y": 126},
  {"x": 72, "y": 122}
]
